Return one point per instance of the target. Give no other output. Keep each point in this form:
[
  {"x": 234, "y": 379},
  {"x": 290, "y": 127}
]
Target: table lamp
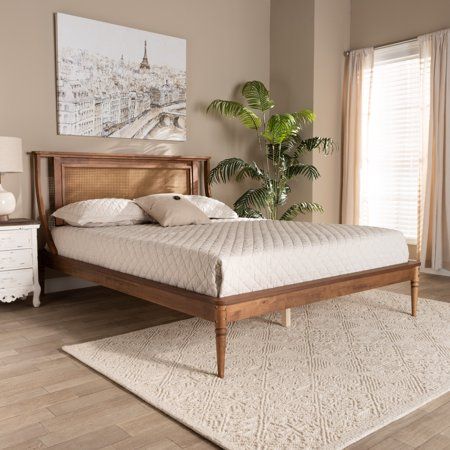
[{"x": 10, "y": 161}]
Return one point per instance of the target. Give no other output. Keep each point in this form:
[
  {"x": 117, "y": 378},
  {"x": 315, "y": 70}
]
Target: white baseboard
[
  {"x": 60, "y": 284},
  {"x": 443, "y": 272}
]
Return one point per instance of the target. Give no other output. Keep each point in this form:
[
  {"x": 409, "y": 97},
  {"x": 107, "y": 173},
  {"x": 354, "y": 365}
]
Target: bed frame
[{"x": 80, "y": 176}]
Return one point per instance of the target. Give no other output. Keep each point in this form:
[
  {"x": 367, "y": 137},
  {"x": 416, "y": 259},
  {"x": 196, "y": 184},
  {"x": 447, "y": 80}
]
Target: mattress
[{"x": 224, "y": 258}]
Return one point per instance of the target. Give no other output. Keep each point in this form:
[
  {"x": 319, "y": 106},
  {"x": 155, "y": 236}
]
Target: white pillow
[
  {"x": 213, "y": 208},
  {"x": 172, "y": 209},
  {"x": 102, "y": 212}
]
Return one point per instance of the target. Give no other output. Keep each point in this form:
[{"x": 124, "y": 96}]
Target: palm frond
[
  {"x": 280, "y": 127},
  {"x": 304, "y": 117},
  {"x": 253, "y": 198},
  {"x": 250, "y": 213},
  {"x": 323, "y": 145},
  {"x": 227, "y": 108},
  {"x": 291, "y": 143},
  {"x": 275, "y": 152},
  {"x": 300, "y": 208},
  {"x": 308, "y": 170},
  {"x": 226, "y": 169},
  {"x": 249, "y": 119},
  {"x": 251, "y": 171},
  {"x": 233, "y": 109},
  {"x": 280, "y": 192},
  {"x": 257, "y": 96}
]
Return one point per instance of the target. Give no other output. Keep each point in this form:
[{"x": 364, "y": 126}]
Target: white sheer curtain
[
  {"x": 392, "y": 144},
  {"x": 434, "y": 242},
  {"x": 358, "y": 70}
]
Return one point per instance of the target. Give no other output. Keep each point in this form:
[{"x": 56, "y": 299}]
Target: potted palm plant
[{"x": 280, "y": 140}]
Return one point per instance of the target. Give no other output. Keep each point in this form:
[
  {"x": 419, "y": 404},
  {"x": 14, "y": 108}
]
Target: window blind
[{"x": 392, "y": 140}]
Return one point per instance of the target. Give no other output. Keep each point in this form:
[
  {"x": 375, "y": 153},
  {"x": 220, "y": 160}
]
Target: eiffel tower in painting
[{"x": 144, "y": 64}]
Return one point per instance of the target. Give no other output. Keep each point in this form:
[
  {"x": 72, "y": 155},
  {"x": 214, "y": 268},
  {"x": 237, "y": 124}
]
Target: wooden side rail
[
  {"x": 172, "y": 297},
  {"x": 223, "y": 310},
  {"x": 263, "y": 302}
]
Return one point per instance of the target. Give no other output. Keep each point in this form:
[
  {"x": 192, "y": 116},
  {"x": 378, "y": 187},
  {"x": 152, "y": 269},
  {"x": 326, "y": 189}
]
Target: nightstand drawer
[
  {"x": 15, "y": 239},
  {"x": 16, "y": 278},
  {"x": 16, "y": 259}
]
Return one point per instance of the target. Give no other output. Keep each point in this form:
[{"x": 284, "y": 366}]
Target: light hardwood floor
[{"x": 48, "y": 399}]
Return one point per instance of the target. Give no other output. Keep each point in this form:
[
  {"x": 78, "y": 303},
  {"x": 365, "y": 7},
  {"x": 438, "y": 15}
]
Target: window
[{"x": 392, "y": 140}]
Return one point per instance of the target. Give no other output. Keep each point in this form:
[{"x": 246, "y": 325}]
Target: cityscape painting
[{"x": 120, "y": 82}]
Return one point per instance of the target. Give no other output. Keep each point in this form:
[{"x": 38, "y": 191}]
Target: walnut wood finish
[
  {"x": 220, "y": 310},
  {"x": 244, "y": 305},
  {"x": 223, "y": 310},
  {"x": 181, "y": 300},
  {"x": 36, "y": 158},
  {"x": 221, "y": 339},
  {"x": 19, "y": 221}
]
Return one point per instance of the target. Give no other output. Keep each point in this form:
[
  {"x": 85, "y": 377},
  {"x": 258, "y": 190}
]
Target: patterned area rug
[{"x": 346, "y": 368}]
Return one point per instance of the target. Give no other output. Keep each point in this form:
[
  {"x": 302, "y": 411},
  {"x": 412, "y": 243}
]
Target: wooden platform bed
[{"x": 80, "y": 176}]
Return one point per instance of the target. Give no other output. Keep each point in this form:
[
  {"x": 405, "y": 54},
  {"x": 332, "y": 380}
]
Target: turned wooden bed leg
[
  {"x": 221, "y": 339},
  {"x": 414, "y": 291},
  {"x": 286, "y": 317}
]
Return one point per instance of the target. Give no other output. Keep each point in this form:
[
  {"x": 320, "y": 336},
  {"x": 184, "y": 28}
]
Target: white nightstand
[{"x": 18, "y": 260}]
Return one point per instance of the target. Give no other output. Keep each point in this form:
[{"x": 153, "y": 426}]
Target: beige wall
[
  {"x": 331, "y": 39},
  {"x": 308, "y": 38},
  {"x": 377, "y": 22},
  {"x": 292, "y": 54},
  {"x": 291, "y": 74},
  {"x": 227, "y": 44}
]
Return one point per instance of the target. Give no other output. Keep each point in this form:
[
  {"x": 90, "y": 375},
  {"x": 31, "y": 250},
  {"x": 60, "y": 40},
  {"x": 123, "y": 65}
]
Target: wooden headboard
[{"x": 82, "y": 176}]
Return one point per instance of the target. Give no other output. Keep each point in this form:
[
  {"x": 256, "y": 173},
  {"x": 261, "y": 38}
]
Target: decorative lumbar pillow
[
  {"x": 213, "y": 208},
  {"x": 170, "y": 210},
  {"x": 102, "y": 212}
]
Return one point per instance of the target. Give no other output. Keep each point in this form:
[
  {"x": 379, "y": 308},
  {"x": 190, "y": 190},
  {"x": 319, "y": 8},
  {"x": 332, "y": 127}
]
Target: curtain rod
[{"x": 389, "y": 44}]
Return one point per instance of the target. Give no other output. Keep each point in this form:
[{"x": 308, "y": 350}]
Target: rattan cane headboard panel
[
  {"x": 82, "y": 176},
  {"x": 83, "y": 183}
]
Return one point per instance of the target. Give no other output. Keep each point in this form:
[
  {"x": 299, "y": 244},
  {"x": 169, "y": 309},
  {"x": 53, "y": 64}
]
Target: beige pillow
[{"x": 172, "y": 209}]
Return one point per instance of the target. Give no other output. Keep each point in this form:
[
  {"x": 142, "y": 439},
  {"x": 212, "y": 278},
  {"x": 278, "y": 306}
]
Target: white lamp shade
[{"x": 10, "y": 154}]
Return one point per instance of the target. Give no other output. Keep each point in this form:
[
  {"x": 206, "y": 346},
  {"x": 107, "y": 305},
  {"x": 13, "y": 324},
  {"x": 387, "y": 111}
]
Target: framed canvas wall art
[{"x": 114, "y": 81}]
